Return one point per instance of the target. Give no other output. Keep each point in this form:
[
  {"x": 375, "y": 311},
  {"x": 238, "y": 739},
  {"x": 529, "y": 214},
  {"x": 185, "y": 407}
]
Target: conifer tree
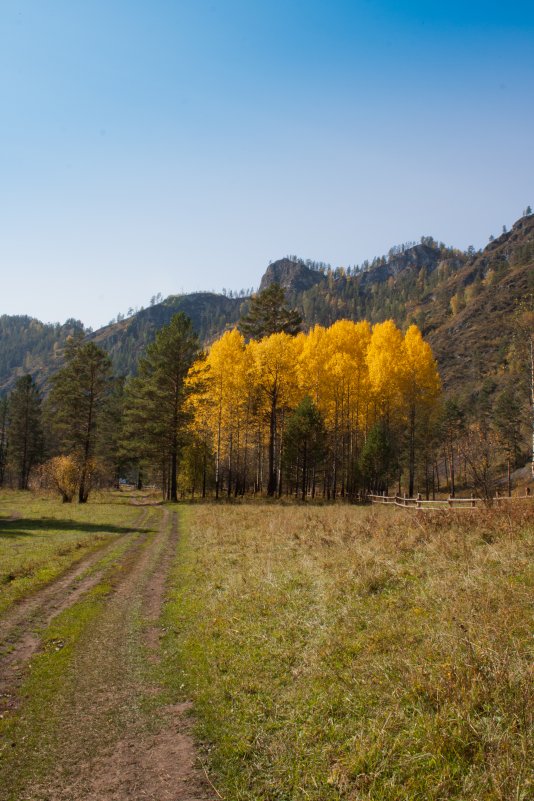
[
  {"x": 524, "y": 334},
  {"x": 156, "y": 416},
  {"x": 269, "y": 314},
  {"x": 452, "y": 428},
  {"x": 378, "y": 458},
  {"x": 304, "y": 443},
  {"x": 508, "y": 418},
  {"x": 25, "y": 429},
  {"x": 3, "y": 437},
  {"x": 77, "y": 406}
]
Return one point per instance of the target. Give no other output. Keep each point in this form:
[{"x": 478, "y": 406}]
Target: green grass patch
[
  {"x": 40, "y": 537},
  {"x": 344, "y": 653}
]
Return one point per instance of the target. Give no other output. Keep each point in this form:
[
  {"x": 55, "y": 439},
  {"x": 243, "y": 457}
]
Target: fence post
[
  {"x": 419, "y": 500},
  {"x": 473, "y": 503},
  {"x": 449, "y": 501}
]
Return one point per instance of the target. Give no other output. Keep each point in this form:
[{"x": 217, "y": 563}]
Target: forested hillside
[
  {"x": 464, "y": 303},
  {"x": 29, "y": 346}
]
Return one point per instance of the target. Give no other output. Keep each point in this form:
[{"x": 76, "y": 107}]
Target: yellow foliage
[
  {"x": 385, "y": 361},
  {"x": 422, "y": 384},
  {"x": 62, "y": 474},
  {"x": 355, "y": 374}
]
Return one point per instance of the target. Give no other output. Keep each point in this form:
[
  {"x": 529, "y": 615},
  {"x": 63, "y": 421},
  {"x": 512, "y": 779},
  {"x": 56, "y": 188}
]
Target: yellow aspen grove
[
  {"x": 355, "y": 378},
  {"x": 200, "y": 410},
  {"x": 226, "y": 377},
  {"x": 385, "y": 361},
  {"x": 347, "y": 369},
  {"x": 275, "y": 375},
  {"x": 312, "y": 376},
  {"x": 422, "y": 388}
]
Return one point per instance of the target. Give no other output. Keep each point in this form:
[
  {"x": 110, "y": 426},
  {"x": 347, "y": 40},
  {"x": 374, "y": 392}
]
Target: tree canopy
[
  {"x": 269, "y": 314},
  {"x": 156, "y": 413}
]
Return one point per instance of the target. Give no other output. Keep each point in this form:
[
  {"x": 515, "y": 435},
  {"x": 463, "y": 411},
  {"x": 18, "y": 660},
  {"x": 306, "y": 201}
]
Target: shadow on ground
[{"x": 23, "y": 527}]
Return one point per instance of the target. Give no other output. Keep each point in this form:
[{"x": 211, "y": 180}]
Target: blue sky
[{"x": 179, "y": 145}]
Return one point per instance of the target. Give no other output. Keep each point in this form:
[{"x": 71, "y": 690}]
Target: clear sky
[{"x": 179, "y": 145}]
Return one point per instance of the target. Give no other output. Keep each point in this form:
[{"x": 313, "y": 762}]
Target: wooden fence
[{"x": 444, "y": 503}]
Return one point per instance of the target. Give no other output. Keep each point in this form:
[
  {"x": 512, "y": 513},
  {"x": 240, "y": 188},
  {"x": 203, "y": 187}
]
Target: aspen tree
[
  {"x": 421, "y": 387},
  {"x": 275, "y": 376},
  {"x": 386, "y": 370}
]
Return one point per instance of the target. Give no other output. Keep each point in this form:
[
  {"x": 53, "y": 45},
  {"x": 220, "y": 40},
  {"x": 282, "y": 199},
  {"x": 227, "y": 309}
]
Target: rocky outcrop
[{"x": 293, "y": 276}]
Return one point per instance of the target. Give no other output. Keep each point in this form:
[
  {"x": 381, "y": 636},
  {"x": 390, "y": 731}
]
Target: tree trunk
[
  {"x": 271, "y": 484},
  {"x": 174, "y": 483},
  {"x": 532, "y": 396},
  {"x": 453, "y": 486},
  {"x": 304, "y": 471},
  {"x": 412, "y": 453},
  {"x": 204, "y": 469}
]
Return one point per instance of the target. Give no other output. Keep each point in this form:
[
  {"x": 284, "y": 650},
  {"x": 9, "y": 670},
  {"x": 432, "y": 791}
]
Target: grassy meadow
[
  {"x": 331, "y": 652},
  {"x": 40, "y": 537},
  {"x": 356, "y": 653}
]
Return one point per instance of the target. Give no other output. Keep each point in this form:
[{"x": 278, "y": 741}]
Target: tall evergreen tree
[
  {"x": 453, "y": 426},
  {"x": 304, "y": 444},
  {"x": 3, "y": 437},
  {"x": 155, "y": 414},
  {"x": 269, "y": 314},
  {"x": 25, "y": 429},
  {"x": 507, "y": 420},
  {"x": 379, "y": 458},
  {"x": 77, "y": 406}
]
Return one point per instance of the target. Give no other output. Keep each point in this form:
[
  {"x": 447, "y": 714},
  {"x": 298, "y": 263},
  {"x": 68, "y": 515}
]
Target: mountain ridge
[{"x": 462, "y": 301}]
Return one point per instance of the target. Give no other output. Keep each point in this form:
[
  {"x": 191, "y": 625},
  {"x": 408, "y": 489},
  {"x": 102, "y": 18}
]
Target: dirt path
[
  {"x": 112, "y": 739},
  {"x": 43, "y": 605},
  {"x": 22, "y": 626}
]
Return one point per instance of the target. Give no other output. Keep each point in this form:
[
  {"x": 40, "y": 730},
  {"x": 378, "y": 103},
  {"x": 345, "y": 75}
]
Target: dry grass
[{"x": 348, "y": 653}]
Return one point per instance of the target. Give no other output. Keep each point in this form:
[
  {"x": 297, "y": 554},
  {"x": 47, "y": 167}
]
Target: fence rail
[{"x": 443, "y": 503}]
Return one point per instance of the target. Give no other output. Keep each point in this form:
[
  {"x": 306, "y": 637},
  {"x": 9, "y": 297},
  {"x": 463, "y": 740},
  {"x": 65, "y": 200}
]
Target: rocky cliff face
[
  {"x": 293, "y": 276},
  {"x": 415, "y": 258}
]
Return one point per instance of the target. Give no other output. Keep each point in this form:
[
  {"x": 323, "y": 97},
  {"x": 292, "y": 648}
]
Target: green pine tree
[
  {"x": 77, "y": 406},
  {"x": 379, "y": 463},
  {"x": 155, "y": 424},
  {"x": 269, "y": 314},
  {"x": 4, "y": 406},
  {"x": 304, "y": 445},
  {"x": 25, "y": 429},
  {"x": 508, "y": 418}
]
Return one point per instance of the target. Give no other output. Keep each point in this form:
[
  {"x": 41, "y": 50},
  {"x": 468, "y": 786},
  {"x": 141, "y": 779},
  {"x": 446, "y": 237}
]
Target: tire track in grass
[
  {"x": 23, "y": 612},
  {"x": 21, "y": 629},
  {"x": 109, "y": 738}
]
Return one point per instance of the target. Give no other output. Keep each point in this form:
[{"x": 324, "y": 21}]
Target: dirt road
[{"x": 87, "y": 718}]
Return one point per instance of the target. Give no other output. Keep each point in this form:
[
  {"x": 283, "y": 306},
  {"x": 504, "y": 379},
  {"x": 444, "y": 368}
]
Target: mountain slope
[{"x": 463, "y": 302}]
